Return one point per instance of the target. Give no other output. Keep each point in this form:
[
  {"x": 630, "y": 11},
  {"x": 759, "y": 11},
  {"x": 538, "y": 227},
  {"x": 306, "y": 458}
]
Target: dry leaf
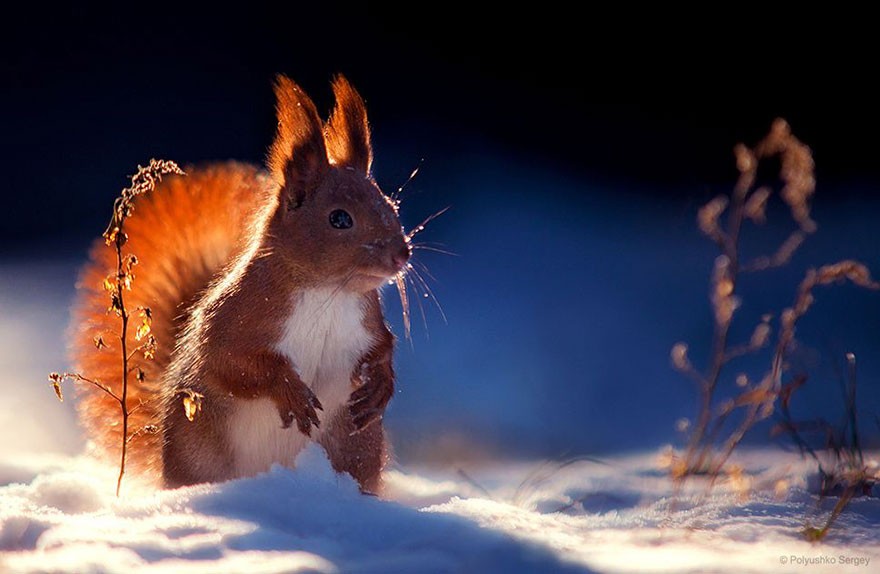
[
  {"x": 192, "y": 404},
  {"x": 56, "y": 379},
  {"x": 142, "y": 331}
]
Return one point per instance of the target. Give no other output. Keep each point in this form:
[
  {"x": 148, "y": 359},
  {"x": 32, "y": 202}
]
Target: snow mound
[{"x": 305, "y": 520}]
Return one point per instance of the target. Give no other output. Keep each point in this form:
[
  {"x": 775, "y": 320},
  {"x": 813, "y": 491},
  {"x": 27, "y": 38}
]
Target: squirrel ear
[
  {"x": 348, "y": 134},
  {"x": 298, "y": 157}
]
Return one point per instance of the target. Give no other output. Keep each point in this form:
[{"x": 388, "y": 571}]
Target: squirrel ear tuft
[
  {"x": 347, "y": 134},
  {"x": 298, "y": 156}
]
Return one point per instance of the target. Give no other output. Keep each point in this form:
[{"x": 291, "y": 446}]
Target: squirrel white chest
[{"x": 323, "y": 337}]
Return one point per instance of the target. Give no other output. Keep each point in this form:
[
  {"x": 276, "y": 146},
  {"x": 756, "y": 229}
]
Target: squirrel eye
[{"x": 340, "y": 219}]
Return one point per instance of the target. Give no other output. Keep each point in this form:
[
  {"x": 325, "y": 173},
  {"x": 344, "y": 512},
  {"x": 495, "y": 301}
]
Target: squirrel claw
[
  {"x": 304, "y": 428},
  {"x": 299, "y": 404},
  {"x": 305, "y": 422}
]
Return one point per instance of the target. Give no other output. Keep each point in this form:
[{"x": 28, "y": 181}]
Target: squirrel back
[
  {"x": 263, "y": 291},
  {"x": 182, "y": 233}
]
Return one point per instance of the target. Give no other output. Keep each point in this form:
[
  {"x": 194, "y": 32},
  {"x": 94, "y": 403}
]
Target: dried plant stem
[
  {"x": 840, "y": 460},
  {"x": 814, "y": 534},
  {"x": 143, "y": 181},
  {"x": 123, "y": 400},
  {"x": 725, "y": 281},
  {"x": 719, "y": 355}
]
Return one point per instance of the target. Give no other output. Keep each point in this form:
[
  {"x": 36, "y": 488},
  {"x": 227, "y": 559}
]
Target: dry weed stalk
[
  {"x": 712, "y": 439},
  {"x": 842, "y": 469},
  {"x": 116, "y": 285}
]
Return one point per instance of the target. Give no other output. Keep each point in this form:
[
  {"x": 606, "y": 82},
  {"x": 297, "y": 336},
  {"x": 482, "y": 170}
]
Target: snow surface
[{"x": 58, "y": 514}]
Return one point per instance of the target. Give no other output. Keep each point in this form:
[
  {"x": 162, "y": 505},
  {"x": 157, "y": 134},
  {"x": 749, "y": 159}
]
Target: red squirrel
[{"x": 263, "y": 287}]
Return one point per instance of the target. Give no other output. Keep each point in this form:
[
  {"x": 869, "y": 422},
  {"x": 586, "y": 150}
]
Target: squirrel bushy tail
[{"x": 182, "y": 233}]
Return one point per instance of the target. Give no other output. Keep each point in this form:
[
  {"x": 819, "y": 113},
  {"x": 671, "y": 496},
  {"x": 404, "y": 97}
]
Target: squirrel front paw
[
  {"x": 376, "y": 387},
  {"x": 296, "y": 401}
]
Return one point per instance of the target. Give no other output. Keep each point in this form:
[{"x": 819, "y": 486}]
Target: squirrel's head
[{"x": 332, "y": 222}]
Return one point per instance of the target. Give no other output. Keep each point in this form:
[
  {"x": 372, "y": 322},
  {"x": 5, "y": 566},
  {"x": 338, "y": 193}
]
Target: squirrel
[{"x": 263, "y": 288}]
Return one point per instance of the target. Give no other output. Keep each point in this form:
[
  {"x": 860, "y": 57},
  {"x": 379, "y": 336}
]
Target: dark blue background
[{"x": 574, "y": 154}]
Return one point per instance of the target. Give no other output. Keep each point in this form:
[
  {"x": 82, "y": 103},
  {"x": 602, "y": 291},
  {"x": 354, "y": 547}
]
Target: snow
[
  {"x": 59, "y": 514},
  {"x": 310, "y": 519}
]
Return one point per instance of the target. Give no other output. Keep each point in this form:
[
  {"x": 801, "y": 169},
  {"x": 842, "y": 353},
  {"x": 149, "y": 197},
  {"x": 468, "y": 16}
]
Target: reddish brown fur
[
  {"x": 261, "y": 239},
  {"x": 182, "y": 234},
  {"x": 297, "y": 158},
  {"x": 348, "y": 132}
]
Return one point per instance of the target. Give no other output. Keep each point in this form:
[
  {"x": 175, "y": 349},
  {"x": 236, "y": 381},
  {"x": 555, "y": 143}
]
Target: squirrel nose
[{"x": 401, "y": 256}]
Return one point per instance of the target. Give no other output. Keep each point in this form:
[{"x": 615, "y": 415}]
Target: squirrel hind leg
[{"x": 363, "y": 455}]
